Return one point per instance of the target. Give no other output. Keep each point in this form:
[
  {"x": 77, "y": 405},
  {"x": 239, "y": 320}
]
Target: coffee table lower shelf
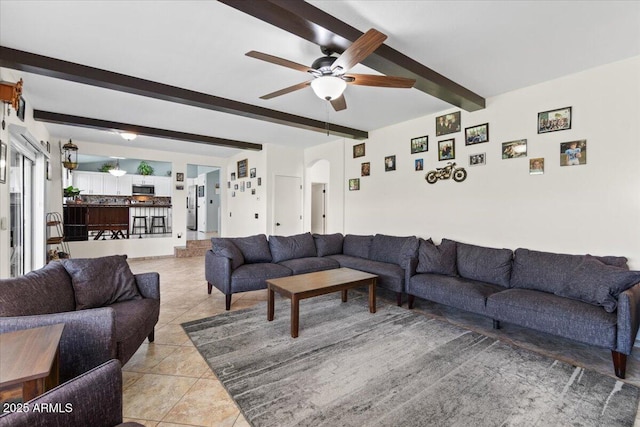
[{"x": 310, "y": 285}]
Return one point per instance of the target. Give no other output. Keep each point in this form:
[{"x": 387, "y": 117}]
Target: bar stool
[
  {"x": 157, "y": 221},
  {"x": 139, "y": 222}
]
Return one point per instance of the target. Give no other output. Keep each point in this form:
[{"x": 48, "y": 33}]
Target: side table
[{"x": 30, "y": 357}]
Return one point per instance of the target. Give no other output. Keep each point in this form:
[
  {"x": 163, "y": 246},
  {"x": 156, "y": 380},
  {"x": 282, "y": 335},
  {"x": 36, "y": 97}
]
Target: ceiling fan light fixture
[
  {"x": 128, "y": 136},
  {"x": 328, "y": 87}
]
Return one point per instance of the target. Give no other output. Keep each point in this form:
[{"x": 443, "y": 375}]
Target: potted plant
[
  {"x": 145, "y": 168},
  {"x": 71, "y": 192},
  {"x": 107, "y": 167}
]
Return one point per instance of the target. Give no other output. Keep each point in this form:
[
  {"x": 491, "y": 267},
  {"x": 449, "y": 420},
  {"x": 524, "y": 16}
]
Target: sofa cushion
[
  {"x": 393, "y": 249},
  {"x": 250, "y": 277},
  {"x": 291, "y": 247},
  {"x": 596, "y": 283},
  {"x": 440, "y": 259},
  {"x": 465, "y": 294},
  {"x": 357, "y": 246},
  {"x": 98, "y": 282},
  {"x": 484, "y": 264},
  {"x": 309, "y": 265},
  {"x": 134, "y": 322},
  {"x": 254, "y": 248},
  {"x": 43, "y": 291},
  {"x": 224, "y": 247},
  {"x": 548, "y": 271},
  {"x": 390, "y": 276},
  {"x": 328, "y": 244},
  {"x": 556, "y": 315}
]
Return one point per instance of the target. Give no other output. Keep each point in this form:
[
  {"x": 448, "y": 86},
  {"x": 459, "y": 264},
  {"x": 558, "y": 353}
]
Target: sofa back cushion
[
  {"x": 328, "y": 244},
  {"x": 291, "y": 247},
  {"x": 393, "y": 249},
  {"x": 358, "y": 246},
  {"x": 484, "y": 264},
  {"x": 253, "y": 248},
  {"x": 597, "y": 283},
  {"x": 44, "y": 291},
  {"x": 224, "y": 247},
  {"x": 440, "y": 259},
  {"x": 98, "y": 282}
]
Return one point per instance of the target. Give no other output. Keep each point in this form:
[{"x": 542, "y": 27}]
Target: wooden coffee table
[
  {"x": 30, "y": 357},
  {"x": 310, "y": 285}
]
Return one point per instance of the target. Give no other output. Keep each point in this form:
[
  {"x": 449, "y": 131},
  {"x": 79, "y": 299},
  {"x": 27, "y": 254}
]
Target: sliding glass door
[{"x": 21, "y": 179}]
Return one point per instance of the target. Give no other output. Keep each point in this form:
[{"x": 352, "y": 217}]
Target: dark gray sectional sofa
[{"x": 594, "y": 300}]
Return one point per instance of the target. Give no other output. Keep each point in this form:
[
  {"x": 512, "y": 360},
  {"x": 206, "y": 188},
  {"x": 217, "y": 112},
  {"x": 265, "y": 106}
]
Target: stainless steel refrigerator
[{"x": 192, "y": 207}]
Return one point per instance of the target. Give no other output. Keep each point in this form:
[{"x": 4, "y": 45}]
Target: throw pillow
[
  {"x": 328, "y": 244},
  {"x": 289, "y": 247},
  {"x": 98, "y": 282},
  {"x": 597, "y": 283},
  {"x": 254, "y": 248},
  {"x": 484, "y": 264},
  {"x": 223, "y": 247},
  {"x": 440, "y": 259},
  {"x": 393, "y": 249}
]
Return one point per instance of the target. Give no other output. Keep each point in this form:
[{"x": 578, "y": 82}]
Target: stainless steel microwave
[{"x": 143, "y": 190}]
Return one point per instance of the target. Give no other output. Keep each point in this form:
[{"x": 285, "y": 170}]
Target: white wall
[
  {"x": 580, "y": 209},
  {"x": 284, "y": 161}
]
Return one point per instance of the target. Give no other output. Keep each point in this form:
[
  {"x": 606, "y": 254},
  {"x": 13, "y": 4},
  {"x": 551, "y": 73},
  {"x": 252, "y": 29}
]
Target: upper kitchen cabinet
[
  {"x": 88, "y": 182},
  {"x": 163, "y": 186}
]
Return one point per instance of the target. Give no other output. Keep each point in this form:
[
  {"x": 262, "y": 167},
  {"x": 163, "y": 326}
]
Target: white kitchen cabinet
[
  {"x": 116, "y": 185},
  {"x": 89, "y": 182},
  {"x": 124, "y": 185},
  {"x": 163, "y": 186},
  {"x": 143, "y": 179}
]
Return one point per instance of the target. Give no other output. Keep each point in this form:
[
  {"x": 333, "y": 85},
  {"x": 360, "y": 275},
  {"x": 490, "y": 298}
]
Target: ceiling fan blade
[
  {"x": 379, "y": 81},
  {"x": 286, "y": 90},
  {"x": 339, "y": 104},
  {"x": 279, "y": 61},
  {"x": 359, "y": 50}
]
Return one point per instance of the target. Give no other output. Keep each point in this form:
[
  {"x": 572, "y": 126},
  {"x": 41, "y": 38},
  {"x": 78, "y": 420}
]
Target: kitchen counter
[{"x": 121, "y": 205}]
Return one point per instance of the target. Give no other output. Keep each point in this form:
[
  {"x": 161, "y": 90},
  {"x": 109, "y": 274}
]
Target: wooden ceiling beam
[
  {"x": 56, "y": 68},
  {"x": 313, "y": 24},
  {"x": 86, "y": 122}
]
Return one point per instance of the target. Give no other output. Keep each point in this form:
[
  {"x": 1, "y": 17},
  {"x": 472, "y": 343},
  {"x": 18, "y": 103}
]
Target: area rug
[{"x": 396, "y": 367}]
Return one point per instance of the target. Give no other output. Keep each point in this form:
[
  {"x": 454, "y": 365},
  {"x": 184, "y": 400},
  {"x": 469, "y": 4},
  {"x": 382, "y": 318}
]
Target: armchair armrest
[
  {"x": 217, "y": 271},
  {"x": 409, "y": 271},
  {"x": 91, "y": 399},
  {"x": 149, "y": 285},
  {"x": 628, "y": 318},
  {"x": 87, "y": 341}
]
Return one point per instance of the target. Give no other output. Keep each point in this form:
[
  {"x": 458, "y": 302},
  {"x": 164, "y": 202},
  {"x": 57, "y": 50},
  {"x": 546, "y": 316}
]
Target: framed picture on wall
[
  {"x": 252, "y": 173},
  {"x": 419, "y": 164},
  {"x": 573, "y": 153},
  {"x": 259, "y": 181},
  {"x": 358, "y": 150},
  {"x": 180, "y": 177},
  {"x": 3, "y": 163},
  {"x": 478, "y": 159},
  {"x": 242, "y": 168},
  {"x": 354, "y": 184},
  {"x": 233, "y": 176},
  {"x": 420, "y": 144},
  {"x": 447, "y": 149},
  {"x": 554, "y": 120},
  {"x": 536, "y": 166},
  {"x": 476, "y": 134},
  {"x": 365, "y": 169},
  {"x": 389, "y": 163},
  {"x": 449, "y": 123},
  {"x": 514, "y": 149}
]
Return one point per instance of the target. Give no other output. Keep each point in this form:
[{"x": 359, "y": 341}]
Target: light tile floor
[{"x": 167, "y": 383}]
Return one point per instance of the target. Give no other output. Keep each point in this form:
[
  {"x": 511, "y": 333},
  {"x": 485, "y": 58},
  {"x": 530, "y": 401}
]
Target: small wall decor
[
  {"x": 449, "y": 123},
  {"x": 536, "y": 166},
  {"x": 389, "y": 163},
  {"x": 478, "y": 159},
  {"x": 252, "y": 173},
  {"x": 419, "y": 164},
  {"x": 233, "y": 194},
  {"x": 248, "y": 184},
  {"x": 242, "y": 168},
  {"x": 233, "y": 176},
  {"x": 3, "y": 163},
  {"x": 253, "y": 191},
  {"x": 476, "y": 134},
  {"x": 420, "y": 144},
  {"x": 458, "y": 174},
  {"x": 354, "y": 184},
  {"x": 554, "y": 120},
  {"x": 573, "y": 153},
  {"x": 514, "y": 149},
  {"x": 228, "y": 184},
  {"x": 179, "y": 176},
  {"x": 179, "y": 187},
  {"x": 242, "y": 187},
  {"x": 236, "y": 186},
  {"x": 365, "y": 169},
  {"x": 358, "y": 150},
  {"x": 446, "y": 149},
  {"x": 259, "y": 182}
]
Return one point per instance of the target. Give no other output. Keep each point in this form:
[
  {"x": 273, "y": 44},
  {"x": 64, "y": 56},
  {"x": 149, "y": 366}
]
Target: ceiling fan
[{"x": 329, "y": 73}]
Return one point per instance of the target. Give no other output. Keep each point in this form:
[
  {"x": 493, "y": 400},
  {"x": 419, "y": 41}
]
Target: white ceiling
[{"x": 490, "y": 47}]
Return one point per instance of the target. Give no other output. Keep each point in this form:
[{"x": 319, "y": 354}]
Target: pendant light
[{"x": 117, "y": 171}]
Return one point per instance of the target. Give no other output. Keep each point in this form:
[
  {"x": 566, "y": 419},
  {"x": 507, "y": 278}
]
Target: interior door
[
  {"x": 318, "y": 211},
  {"x": 287, "y": 213}
]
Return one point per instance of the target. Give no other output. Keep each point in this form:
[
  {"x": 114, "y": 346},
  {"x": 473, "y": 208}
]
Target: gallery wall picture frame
[
  {"x": 3, "y": 163},
  {"x": 236, "y": 186},
  {"x": 419, "y": 144},
  {"x": 358, "y": 150},
  {"x": 478, "y": 159},
  {"x": 476, "y": 134},
  {"x": 252, "y": 173},
  {"x": 389, "y": 163},
  {"x": 514, "y": 149},
  {"x": 447, "y": 149},
  {"x": 448, "y": 123},
  {"x": 242, "y": 168},
  {"x": 179, "y": 176},
  {"x": 253, "y": 191},
  {"x": 228, "y": 184},
  {"x": 573, "y": 153},
  {"x": 354, "y": 184},
  {"x": 554, "y": 120},
  {"x": 365, "y": 169},
  {"x": 248, "y": 184},
  {"x": 179, "y": 187},
  {"x": 233, "y": 176},
  {"x": 536, "y": 166},
  {"x": 259, "y": 182},
  {"x": 419, "y": 164},
  {"x": 242, "y": 186}
]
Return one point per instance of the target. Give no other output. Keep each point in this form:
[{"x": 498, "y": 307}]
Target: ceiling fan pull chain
[{"x": 326, "y": 122}]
